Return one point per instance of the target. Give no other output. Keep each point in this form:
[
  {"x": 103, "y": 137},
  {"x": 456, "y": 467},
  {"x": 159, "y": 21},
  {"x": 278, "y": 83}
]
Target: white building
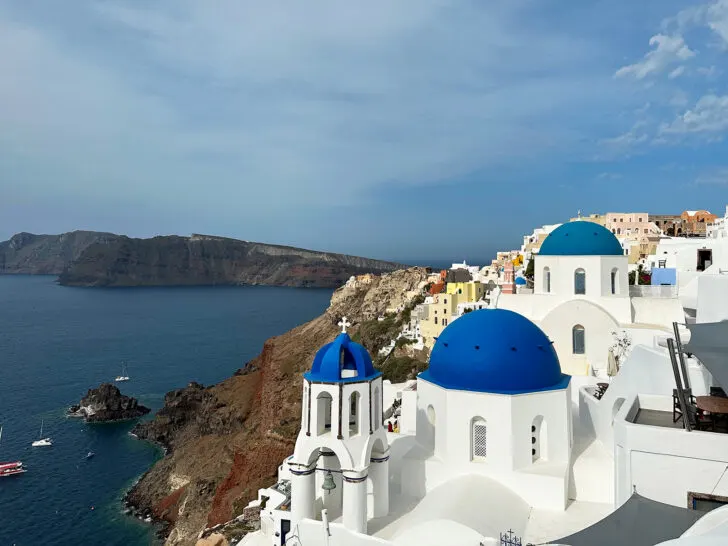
[
  {"x": 719, "y": 228},
  {"x": 581, "y": 298}
]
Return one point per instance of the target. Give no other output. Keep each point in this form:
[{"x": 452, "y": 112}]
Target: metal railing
[{"x": 650, "y": 291}]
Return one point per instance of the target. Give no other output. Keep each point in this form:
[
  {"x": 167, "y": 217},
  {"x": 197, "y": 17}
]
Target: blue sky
[{"x": 409, "y": 130}]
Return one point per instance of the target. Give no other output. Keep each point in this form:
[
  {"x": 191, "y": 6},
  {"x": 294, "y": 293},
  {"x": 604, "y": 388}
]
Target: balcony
[{"x": 649, "y": 291}]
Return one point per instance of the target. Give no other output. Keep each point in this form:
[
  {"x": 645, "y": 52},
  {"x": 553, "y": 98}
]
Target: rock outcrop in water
[
  {"x": 226, "y": 441},
  {"x": 86, "y": 258},
  {"x": 106, "y": 403}
]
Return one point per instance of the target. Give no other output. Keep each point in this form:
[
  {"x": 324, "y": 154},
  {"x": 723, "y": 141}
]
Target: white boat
[
  {"x": 42, "y": 442},
  {"x": 124, "y": 374}
]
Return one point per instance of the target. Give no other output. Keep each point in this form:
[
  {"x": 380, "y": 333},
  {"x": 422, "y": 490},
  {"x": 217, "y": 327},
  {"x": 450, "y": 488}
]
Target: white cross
[{"x": 344, "y": 323}]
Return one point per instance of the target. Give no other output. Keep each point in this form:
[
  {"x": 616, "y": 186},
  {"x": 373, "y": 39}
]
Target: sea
[{"x": 57, "y": 342}]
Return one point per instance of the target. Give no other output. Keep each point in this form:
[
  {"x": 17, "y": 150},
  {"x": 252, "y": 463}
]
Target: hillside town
[{"x": 574, "y": 394}]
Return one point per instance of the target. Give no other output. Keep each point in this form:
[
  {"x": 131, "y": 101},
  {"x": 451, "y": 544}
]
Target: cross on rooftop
[{"x": 344, "y": 323}]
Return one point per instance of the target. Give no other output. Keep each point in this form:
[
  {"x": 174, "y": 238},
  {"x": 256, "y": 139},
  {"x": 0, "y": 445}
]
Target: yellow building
[
  {"x": 466, "y": 291},
  {"x": 444, "y": 307}
]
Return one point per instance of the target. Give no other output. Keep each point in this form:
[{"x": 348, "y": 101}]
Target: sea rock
[
  {"x": 106, "y": 403},
  {"x": 227, "y": 440}
]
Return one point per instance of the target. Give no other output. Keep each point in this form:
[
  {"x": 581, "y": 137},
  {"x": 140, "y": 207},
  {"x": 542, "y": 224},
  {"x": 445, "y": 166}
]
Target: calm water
[{"x": 57, "y": 342}]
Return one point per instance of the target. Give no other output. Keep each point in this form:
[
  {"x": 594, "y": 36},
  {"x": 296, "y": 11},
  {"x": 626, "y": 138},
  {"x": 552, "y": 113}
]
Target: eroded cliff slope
[{"x": 226, "y": 441}]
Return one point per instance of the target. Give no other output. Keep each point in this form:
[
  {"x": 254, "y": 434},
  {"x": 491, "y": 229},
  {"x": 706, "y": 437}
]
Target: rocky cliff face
[
  {"x": 204, "y": 260},
  {"x": 106, "y": 403},
  {"x": 28, "y": 254},
  {"x": 226, "y": 441}
]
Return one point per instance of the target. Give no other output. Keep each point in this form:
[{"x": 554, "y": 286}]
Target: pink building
[{"x": 630, "y": 225}]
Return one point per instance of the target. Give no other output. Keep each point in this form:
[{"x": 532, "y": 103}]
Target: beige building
[
  {"x": 631, "y": 225},
  {"x": 600, "y": 219}
]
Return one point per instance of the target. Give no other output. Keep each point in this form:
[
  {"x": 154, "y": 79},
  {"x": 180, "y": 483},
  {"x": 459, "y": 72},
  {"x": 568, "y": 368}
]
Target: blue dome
[
  {"x": 342, "y": 354},
  {"x": 520, "y": 281},
  {"x": 496, "y": 351},
  {"x": 581, "y": 238}
]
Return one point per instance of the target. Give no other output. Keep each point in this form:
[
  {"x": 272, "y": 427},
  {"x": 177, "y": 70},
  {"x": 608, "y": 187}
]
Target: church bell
[{"x": 328, "y": 484}]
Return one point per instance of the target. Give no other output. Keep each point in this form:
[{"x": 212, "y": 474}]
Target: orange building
[{"x": 694, "y": 221}]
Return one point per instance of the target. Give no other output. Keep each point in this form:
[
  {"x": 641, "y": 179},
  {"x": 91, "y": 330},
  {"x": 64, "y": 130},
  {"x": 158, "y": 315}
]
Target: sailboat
[
  {"x": 124, "y": 374},
  {"x": 42, "y": 442},
  {"x": 10, "y": 469}
]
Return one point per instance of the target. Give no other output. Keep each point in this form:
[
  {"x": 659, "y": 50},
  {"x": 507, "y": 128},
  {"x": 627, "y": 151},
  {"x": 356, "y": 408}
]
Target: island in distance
[
  {"x": 88, "y": 258},
  {"x": 105, "y": 404}
]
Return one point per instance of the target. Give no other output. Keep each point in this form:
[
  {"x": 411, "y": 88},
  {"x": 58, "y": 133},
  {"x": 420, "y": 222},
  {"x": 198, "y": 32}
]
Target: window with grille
[{"x": 479, "y": 439}]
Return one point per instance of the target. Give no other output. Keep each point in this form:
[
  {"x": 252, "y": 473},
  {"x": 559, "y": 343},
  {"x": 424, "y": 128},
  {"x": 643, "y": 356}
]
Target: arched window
[
  {"x": 578, "y": 340},
  {"x": 354, "y": 411},
  {"x": 435, "y": 320},
  {"x": 546, "y": 280},
  {"x": 377, "y": 416},
  {"x": 478, "y": 439},
  {"x": 579, "y": 281},
  {"x": 323, "y": 412},
  {"x": 539, "y": 441},
  {"x": 615, "y": 281}
]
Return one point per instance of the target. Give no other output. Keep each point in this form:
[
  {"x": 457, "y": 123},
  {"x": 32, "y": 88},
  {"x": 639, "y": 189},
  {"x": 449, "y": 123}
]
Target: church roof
[
  {"x": 581, "y": 238},
  {"x": 339, "y": 355},
  {"x": 520, "y": 281},
  {"x": 495, "y": 351}
]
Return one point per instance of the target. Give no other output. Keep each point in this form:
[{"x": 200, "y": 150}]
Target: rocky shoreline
[{"x": 106, "y": 404}]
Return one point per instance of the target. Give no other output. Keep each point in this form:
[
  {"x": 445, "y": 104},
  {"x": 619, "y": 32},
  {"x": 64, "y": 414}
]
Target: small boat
[
  {"x": 42, "y": 442},
  {"x": 11, "y": 469},
  {"x": 124, "y": 374},
  {"x": 90, "y": 454}
]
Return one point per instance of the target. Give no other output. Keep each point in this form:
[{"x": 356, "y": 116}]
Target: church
[
  {"x": 491, "y": 443},
  {"x": 582, "y": 298}
]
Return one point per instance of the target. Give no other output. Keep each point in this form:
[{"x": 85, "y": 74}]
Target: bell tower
[{"x": 342, "y": 456}]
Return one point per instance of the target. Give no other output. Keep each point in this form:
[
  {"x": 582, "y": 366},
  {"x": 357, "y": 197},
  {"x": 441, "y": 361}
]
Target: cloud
[
  {"x": 716, "y": 177},
  {"x": 679, "y": 71},
  {"x": 708, "y": 71},
  {"x": 667, "y": 50},
  {"x": 182, "y": 100},
  {"x": 713, "y": 15},
  {"x": 709, "y": 115}
]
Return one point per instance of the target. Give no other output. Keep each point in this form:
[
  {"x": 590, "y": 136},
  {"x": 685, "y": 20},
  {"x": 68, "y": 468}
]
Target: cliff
[
  {"x": 205, "y": 260},
  {"x": 88, "y": 258},
  {"x": 226, "y": 441},
  {"x": 28, "y": 254}
]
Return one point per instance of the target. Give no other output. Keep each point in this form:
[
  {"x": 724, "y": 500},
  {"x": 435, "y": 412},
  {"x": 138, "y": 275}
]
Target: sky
[{"x": 409, "y": 130}]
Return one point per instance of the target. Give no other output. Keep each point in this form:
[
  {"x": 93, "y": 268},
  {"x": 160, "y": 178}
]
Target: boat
[
  {"x": 42, "y": 442},
  {"x": 124, "y": 374},
  {"x": 90, "y": 454},
  {"x": 10, "y": 469}
]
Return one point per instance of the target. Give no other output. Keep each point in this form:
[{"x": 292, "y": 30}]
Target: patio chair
[{"x": 676, "y": 409}]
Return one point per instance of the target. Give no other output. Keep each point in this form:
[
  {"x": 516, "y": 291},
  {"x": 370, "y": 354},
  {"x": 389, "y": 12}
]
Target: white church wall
[
  {"x": 598, "y": 326},
  {"x": 508, "y": 440},
  {"x": 712, "y": 297},
  {"x": 431, "y": 410},
  {"x": 313, "y": 533},
  {"x": 408, "y": 415},
  {"x": 659, "y": 312},
  {"x": 665, "y": 464}
]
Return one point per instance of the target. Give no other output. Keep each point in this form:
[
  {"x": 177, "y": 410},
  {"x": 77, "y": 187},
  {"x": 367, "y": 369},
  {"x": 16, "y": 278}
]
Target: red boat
[{"x": 11, "y": 469}]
